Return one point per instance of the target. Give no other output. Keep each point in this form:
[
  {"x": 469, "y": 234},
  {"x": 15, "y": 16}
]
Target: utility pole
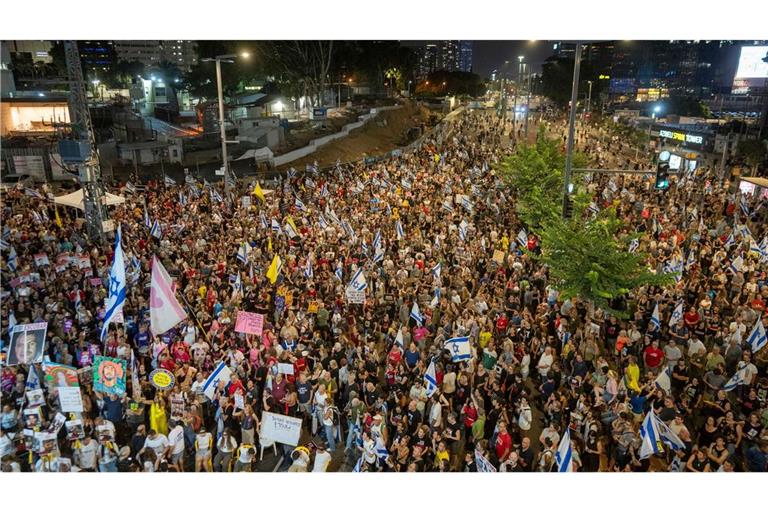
[
  {"x": 222, "y": 126},
  {"x": 571, "y": 122},
  {"x": 527, "y": 105},
  {"x": 82, "y": 150}
]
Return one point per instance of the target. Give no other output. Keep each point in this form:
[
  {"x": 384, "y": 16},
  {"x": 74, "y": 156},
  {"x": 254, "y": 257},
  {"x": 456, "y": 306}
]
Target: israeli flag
[
  {"x": 459, "y": 348},
  {"x": 463, "y": 230},
  {"x": 221, "y": 373},
  {"x": 349, "y": 230},
  {"x": 399, "y": 230},
  {"x": 12, "y": 260},
  {"x": 634, "y": 245},
  {"x": 651, "y": 440},
  {"x": 378, "y": 256},
  {"x": 663, "y": 381},
  {"x": 333, "y": 216},
  {"x": 193, "y": 190},
  {"x": 483, "y": 464},
  {"x": 744, "y": 231},
  {"x": 237, "y": 283},
  {"x": 377, "y": 240},
  {"x": 677, "y": 314},
  {"x": 298, "y": 204},
  {"x": 593, "y": 208},
  {"x": 399, "y": 340},
  {"x": 147, "y": 220},
  {"x": 389, "y": 210},
  {"x": 467, "y": 204},
  {"x": 324, "y": 191},
  {"x": 564, "y": 453},
  {"x": 339, "y": 274},
  {"x": 437, "y": 269},
  {"x": 321, "y": 220},
  {"x": 381, "y": 451},
  {"x": 289, "y": 231},
  {"x": 117, "y": 288},
  {"x": 744, "y": 207},
  {"x": 735, "y": 381},
  {"x": 406, "y": 184},
  {"x": 737, "y": 265},
  {"x": 308, "y": 273},
  {"x": 447, "y": 206},
  {"x": 169, "y": 182},
  {"x": 156, "y": 231},
  {"x": 182, "y": 199},
  {"x": 358, "y": 465},
  {"x": 291, "y": 172},
  {"x": 33, "y": 193},
  {"x": 33, "y": 379},
  {"x": 243, "y": 252},
  {"x": 130, "y": 188},
  {"x": 4, "y": 245},
  {"x": 263, "y": 220},
  {"x": 656, "y": 317},
  {"x": 430, "y": 379},
  {"x": 757, "y": 338},
  {"x": 276, "y": 227},
  {"x": 667, "y": 435},
  {"x": 358, "y": 281},
  {"x": 215, "y": 196},
  {"x": 416, "y": 314},
  {"x": 436, "y": 299},
  {"x": 522, "y": 238},
  {"x": 364, "y": 247},
  {"x": 691, "y": 261},
  {"x": 694, "y": 214},
  {"x": 729, "y": 241}
]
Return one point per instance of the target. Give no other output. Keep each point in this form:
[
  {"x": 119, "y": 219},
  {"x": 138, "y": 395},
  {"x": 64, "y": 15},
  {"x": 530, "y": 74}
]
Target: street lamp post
[
  {"x": 571, "y": 123},
  {"x": 527, "y": 104},
  {"x": 589, "y": 99},
  {"x": 517, "y": 89},
  {"x": 229, "y": 58}
]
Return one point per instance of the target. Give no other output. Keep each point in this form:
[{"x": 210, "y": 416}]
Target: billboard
[{"x": 752, "y": 71}]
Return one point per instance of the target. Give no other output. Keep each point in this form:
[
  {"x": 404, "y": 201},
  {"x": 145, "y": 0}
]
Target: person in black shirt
[{"x": 527, "y": 455}]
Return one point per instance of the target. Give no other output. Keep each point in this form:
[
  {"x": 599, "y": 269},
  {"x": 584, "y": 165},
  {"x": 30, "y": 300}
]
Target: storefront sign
[{"x": 682, "y": 137}]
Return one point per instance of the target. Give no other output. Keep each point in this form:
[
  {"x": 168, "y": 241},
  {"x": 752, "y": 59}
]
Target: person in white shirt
[
  {"x": 158, "y": 443},
  {"x": 545, "y": 362},
  {"x": 694, "y": 345},
  {"x": 86, "y": 453},
  {"x": 203, "y": 444},
  {"x": 322, "y": 459},
  {"x": 176, "y": 445}
]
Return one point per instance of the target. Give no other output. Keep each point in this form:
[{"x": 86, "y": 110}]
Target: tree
[
  {"x": 557, "y": 79},
  {"x": 587, "y": 259},
  {"x": 305, "y": 64},
  {"x": 753, "y": 152},
  {"x": 685, "y": 106}
]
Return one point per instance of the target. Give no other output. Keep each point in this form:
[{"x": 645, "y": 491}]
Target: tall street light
[
  {"x": 571, "y": 122},
  {"x": 228, "y": 58},
  {"x": 517, "y": 88}
]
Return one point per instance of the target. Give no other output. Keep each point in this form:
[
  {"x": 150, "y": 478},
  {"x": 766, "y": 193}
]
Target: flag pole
[{"x": 192, "y": 312}]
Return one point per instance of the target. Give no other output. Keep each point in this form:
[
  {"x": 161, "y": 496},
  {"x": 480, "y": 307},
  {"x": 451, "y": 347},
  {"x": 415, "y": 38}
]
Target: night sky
[{"x": 490, "y": 55}]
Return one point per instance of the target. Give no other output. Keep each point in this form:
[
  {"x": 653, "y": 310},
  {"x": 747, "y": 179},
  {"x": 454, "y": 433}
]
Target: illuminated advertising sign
[
  {"x": 681, "y": 137},
  {"x": 752, "y": 70}
]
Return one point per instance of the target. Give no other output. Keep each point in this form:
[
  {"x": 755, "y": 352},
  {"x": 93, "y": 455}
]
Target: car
[{"x": 10, "y": 181}]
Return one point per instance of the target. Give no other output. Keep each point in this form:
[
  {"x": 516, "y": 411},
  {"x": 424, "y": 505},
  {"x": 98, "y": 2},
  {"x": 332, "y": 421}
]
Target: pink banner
[{"x": 249, "y": 323}]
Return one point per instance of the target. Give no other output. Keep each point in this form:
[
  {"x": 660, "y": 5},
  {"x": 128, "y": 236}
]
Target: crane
[{"x": 80, "y": 149}]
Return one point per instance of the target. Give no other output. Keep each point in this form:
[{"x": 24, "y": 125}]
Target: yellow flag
[
  {"x": 258, "y": 192},
  {"x": 269, "y": 244},
  {"x": 289, "y": 221},
  {"x": 58, "y": 219},
  {"x": 274, "y": 269}
]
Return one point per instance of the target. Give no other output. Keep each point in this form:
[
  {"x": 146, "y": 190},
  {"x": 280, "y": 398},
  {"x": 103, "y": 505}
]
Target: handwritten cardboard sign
[{"x": 249, "y": 323}]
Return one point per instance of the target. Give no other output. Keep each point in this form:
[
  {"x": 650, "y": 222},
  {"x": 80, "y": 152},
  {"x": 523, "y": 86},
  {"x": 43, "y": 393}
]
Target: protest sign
[
  {"x": 70, "y": 399},
  {"x": 35, "y": 397},
  {"x": 280, "y": 428},
  {"x": 498, "y": 256},
  {"x": 355, "y": 296},
  {"x": 27, "y": 344},
  {"x": 109, "y": 375},
  {"x": 60, "y": 375},
  {"x": 249, "y": 323},
  {"x": 162, "y": 379},
  {"x": 41, "y": 260},
  {"x": 285, "y": 368}
]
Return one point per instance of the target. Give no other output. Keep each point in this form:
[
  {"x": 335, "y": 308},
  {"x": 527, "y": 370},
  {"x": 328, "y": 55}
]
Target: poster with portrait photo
[
  {"x": 33, "y": 417},
  {"x": 45, "y": 442},
  {"x": 75, "y": 430},
  {"x": 27, "y": 344}
]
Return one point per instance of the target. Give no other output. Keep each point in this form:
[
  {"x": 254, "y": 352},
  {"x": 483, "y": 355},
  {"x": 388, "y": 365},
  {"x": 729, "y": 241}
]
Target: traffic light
[
  {"x": 567, "y": 207},
  {"x": 662, "y": 176}
]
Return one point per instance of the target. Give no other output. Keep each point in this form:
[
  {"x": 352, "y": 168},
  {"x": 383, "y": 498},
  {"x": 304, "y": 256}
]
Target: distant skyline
[{"x": 490, "y": 55}]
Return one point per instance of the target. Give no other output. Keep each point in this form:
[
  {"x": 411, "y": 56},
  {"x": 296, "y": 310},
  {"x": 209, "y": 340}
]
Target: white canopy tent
[
  {"x": 75, "y": 200},
  {"x": 258, "y": 155}
]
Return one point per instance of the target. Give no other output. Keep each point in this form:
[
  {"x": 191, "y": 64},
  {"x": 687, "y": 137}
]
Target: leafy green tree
[
  {"x": 587, "y": 259},
  {"x": 752, "y": 151}
]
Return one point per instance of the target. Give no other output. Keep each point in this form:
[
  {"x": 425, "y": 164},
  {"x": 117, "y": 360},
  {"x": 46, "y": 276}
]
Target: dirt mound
[{"x": 384, "y": 133}]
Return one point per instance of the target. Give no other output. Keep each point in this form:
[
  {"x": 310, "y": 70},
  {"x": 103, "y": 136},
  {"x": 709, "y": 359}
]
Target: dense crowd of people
[{"x": 431, "y": 238}]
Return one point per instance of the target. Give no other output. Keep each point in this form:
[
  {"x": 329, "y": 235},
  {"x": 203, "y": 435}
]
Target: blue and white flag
[
  {"x": 729, "y": 241},
  {"x": 33, "y": 193},
  {"x": 4, "y": 245},
  {"x": 435, "y": 299},
  {"x": 677, "y": 315},
  {"x": 221, "y": 373},
  {"x": 656, "y": 317},
  {"x": 483, "y": 464},
  {"x": 467, "y": 204},
  {"x": 691, "y": 261},
  {"x": 430, "y": 379},
  {"x": 564, "y": 454},
  {"x": 13, "y": 260},
  {"x": 289, "y": 231},
  {"x": 276, "y": 227},
  {"x": 649, "y": 434},
  {"x": 215, "y": 196},
  {"x": 757, "y": 338},
  {"x": 593, "y": 208},
  {"x": 169, "y": 182},
  {"x": 292, "y": 172},
  {"x": 182, "y": 199},
  {"x": 378, "y": 256},
  {"x": 298, "y": 204},
  {"x": 737, "y": 265},
  {"x": 321, "y": 220},
  {"x": 406, "y": 184},
  {"x": 263, "y": 220},
  {"x": 156, "y": 231},
  {"x": 33, "y": 379},
  {"x": 324, "y": 191},
  {"x": 399, "y": 230},
  {"x": 237, "y": 283},
  {"x": 348, "y": 229},
  {"x": 308, "y": 272},
  {"x": 358, "y": 465},
  {"x": 734, "y": 382},
  {"x": 634, "y": 245},
  {"x": 459, "y": 348},
  {"x": 381, "y": 451},
  {"x": 447, "y": 206},
  {"x": 437, "y": 269},
  {"x": 377, "y": 240},
  {"x": 744, "y": 207},
  {"x": 243, "y": 252},
  {"x": 416, "y": 314},
  {"x": 333, "y": 216},
  {"x": 463, "y": 230},
  {"x": 668, "y": 436},
  {"x": 399, "y": 339},
  {"x": 117, "y": 286},
  {"x": 130, "y": 188},
  {"x": 339, "y": 274},
  {"x": 522, "y": 238},
  {"x": 358, "y": 281},
  {"x": 663, "y": 381},
  {"x": 364, "y": 247},
  {"x": 147, "y": 220}
]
